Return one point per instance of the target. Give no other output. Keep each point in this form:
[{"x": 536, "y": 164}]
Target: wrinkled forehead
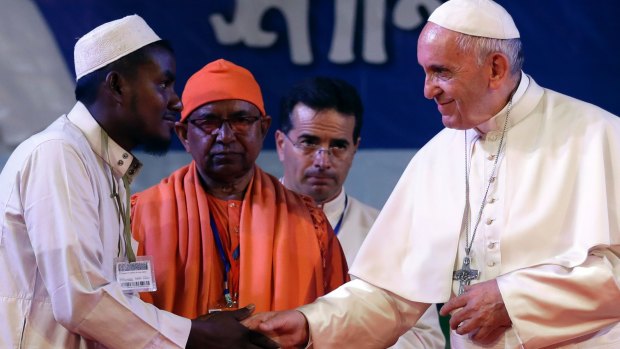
[
  {"x": 225, "y": 108},
  {"x": 438, "y": 45},
  {"x": 433, "y": 34}
]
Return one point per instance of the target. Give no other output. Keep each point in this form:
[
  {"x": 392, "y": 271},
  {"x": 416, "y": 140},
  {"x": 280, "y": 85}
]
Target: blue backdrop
[{"x": 570, "y": 46}]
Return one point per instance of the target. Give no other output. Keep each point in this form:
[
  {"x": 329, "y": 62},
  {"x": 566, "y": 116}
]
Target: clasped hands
[
  {"x": 480, "y": 312},
  {"x": 288, "y": 328},
  {"x": 237, "y": 330}
]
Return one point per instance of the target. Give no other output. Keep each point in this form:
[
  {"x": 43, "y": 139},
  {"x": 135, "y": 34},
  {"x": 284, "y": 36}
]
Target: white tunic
[
  {"x": 354, "y": 219},
  {"x": 61, "y": 231},
  {"x": 355, "y": 222},
  {"x": 551, "y": 242}
]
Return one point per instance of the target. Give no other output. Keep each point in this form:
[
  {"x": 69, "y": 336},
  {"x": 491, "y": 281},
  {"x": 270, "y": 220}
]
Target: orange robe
[{"x": 289, "y": 254}]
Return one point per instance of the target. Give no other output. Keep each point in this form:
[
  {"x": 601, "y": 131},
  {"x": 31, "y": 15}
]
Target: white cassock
[
  {"x": 351, "y": 220},
  {"x": 550, "y": 236}
]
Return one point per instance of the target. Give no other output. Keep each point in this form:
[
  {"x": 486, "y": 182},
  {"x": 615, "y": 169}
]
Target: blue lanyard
[
  {"x": 337, "y": 228},
  {"x": 220, "y": 248}
]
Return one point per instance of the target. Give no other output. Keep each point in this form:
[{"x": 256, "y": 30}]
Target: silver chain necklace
[{"x": 465, "y": 275}]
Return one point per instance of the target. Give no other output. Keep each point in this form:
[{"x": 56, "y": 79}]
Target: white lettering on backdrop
[{"x": 245, "y": 26}]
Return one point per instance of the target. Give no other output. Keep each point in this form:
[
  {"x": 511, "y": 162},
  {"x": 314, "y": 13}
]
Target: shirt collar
[
  {"x": 334, "y": 208},
  {"x": 121, "y": 161},
  {"x": 496, "y": 123}
]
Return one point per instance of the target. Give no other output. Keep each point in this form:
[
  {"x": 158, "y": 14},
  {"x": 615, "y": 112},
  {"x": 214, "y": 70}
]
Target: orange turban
[{"x": 217, "y": 81}]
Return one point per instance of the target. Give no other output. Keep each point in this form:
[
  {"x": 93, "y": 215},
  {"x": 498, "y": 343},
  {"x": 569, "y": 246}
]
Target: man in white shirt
[
  {"x": 64, "y": 200},
  {"x": 321, "y": 119},
  {"x": 510, "y": 214}
]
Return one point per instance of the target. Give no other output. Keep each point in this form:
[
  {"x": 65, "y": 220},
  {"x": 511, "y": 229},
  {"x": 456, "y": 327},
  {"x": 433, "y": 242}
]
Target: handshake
[{"x": 238, "y": 330}]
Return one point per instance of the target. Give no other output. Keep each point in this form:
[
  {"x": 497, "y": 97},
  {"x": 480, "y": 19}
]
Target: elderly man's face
[
  {"x": 454, "y": 78},
  {"x": 318, "y": 151},
  {"x": 224, "y": 151}
]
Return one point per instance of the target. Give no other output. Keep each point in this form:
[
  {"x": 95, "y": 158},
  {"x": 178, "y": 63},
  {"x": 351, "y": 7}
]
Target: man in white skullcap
[
  {"x": 68, "y": 273},
  {"x": 510, "y": 215}
]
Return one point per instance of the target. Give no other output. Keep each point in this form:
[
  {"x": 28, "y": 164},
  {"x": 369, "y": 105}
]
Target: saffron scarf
[{"x": 289, "y": 254}]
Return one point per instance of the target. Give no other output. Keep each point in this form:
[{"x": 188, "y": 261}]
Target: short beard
[{"x": 156, "y": 146}]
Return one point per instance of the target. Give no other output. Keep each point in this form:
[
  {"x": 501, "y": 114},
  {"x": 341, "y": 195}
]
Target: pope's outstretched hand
[{"x": 289, "y": 328}]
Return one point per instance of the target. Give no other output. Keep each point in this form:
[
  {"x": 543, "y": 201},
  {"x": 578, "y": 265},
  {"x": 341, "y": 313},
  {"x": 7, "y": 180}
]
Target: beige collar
[{"x": 121, "y": 161}]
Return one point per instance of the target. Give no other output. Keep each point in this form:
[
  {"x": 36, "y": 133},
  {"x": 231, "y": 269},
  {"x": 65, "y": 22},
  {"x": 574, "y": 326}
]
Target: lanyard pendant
[{"x": 229, "y": 301}]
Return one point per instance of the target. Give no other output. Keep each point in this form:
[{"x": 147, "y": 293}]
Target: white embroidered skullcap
[
  {"x": 484, "y": 18},
  {"x": 109, "y": 42}
]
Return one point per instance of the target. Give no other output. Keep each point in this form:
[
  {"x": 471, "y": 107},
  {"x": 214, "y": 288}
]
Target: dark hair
[
  {"x": 323, "y": 93},
  {"x": 86, "y": 88}
]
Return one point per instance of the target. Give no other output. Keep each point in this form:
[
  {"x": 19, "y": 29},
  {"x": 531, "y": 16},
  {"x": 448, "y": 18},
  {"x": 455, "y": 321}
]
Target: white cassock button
[
  {"x": 491, "y": 245},
  {"x": 491, "y": 200},
  {"x": 491, "y": 263},
  {"x": 489, "y": 221},
  {"x": 491, "y": 157}
]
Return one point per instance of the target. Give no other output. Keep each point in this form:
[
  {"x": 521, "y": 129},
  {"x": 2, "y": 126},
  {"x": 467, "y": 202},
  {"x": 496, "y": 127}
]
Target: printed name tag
[{"x": 138, "y": 276}]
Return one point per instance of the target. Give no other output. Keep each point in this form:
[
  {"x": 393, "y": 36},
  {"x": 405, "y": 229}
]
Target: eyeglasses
[
  {"x": 239, "y": 124},
  {"x": 310, "y": 147}
]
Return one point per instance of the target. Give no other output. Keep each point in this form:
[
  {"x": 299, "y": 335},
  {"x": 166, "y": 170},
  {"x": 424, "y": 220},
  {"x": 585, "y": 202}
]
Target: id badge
[{"x": 138, "y": 276}]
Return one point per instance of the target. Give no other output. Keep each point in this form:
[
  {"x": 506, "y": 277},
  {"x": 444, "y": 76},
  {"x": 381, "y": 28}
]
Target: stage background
[{"x": 570, "y": 46}]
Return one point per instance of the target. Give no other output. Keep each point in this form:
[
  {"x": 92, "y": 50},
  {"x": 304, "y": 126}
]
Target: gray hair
[{"x": 512, "y": 48}]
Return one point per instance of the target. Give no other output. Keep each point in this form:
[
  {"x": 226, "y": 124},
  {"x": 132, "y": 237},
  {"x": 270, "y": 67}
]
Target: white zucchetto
[
  {"x": 109, "y": 42},
  {"x": 483, "y": 18}
]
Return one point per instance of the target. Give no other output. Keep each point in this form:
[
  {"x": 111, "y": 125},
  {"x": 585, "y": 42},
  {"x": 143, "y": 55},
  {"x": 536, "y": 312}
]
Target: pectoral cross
[{"x": 465, "y": 275}]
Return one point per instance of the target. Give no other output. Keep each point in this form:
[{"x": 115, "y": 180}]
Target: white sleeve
[
  {"x": 61, "y": 215},
  {"x": 549, "y": 304},
  {"x": 426, "y": 334},
  {"x": 360, "y": 315}
]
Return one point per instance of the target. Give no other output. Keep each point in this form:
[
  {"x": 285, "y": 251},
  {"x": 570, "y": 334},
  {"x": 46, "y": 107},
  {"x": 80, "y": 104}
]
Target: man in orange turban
[{"x": 221, "y": 232}]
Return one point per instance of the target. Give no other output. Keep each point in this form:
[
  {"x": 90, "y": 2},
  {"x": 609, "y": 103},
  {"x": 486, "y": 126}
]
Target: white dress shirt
[{"x": 355, "y": 222}]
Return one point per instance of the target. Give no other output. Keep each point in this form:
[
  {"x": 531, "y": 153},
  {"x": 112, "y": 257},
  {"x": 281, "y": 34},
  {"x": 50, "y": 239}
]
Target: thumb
[
  {"x": 271, "y": 324},
  {"x": 243, "y": 313}
]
